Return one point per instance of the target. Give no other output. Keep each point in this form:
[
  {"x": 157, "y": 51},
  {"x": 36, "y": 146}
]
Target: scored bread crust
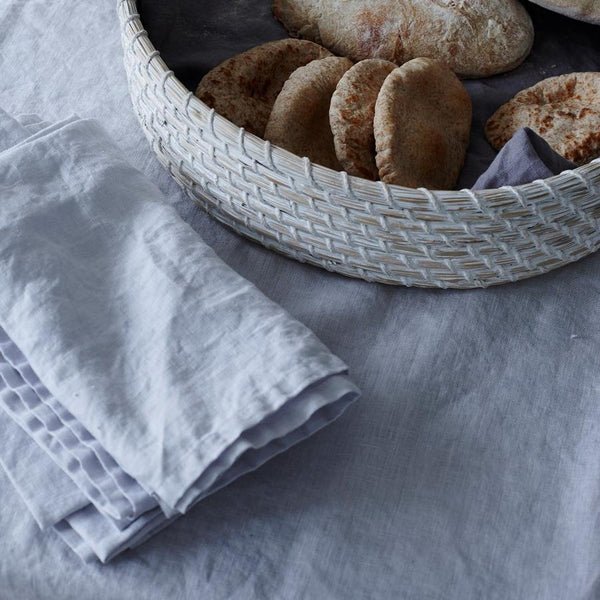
[
  {"x": 351, "y": 116},
  {"x": 299, "y": 121},
  {"x": 422, "y": 125},
  {"x": 564, "y": 110},
  {"x": 583, "y": 10},
  {"x": 475, "y": 38},
  {"x": 244, "y": 87}
]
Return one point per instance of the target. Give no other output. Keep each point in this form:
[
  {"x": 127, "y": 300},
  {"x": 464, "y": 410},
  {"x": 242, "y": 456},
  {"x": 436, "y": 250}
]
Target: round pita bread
[
  {"x": 351, "y": 116},
  {"x": 244, "y": 87},
  {"x": 475, "y": 38},
  {"x": 299, "y": 121},
  {"x": 564, "y": 110},
  {"x": 422, "y": 125},
  {"x": 583, "y": 10}
]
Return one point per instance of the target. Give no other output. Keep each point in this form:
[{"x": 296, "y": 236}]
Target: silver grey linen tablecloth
[{"x": 469, "y": 469}]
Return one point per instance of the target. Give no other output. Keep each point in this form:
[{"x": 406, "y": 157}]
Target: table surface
[{"x": 470, "y": 467}]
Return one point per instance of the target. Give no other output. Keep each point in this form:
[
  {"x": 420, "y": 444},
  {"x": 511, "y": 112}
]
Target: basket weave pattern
[{"x": 370, "y": 230}]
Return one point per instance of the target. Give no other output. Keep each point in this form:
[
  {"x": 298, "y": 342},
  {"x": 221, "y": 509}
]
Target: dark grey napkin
[{"x": 525, "y": 158}]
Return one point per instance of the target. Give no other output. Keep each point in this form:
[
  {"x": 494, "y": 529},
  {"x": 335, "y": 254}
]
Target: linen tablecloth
[{"x": 469, "y": 469}]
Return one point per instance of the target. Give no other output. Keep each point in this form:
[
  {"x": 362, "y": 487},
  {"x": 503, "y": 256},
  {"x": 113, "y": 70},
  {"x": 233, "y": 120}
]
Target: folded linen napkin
[
  {"x": 138, "y": 372},
  {"x": 524, "y": 158}
]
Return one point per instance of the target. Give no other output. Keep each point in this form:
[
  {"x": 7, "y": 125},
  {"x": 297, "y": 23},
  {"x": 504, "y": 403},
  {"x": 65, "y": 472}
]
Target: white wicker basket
[{"x": 378, "y": 232}]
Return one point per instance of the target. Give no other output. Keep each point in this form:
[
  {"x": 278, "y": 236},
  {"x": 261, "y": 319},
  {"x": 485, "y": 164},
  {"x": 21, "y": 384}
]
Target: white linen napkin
[{"x": 138, "y": 372}]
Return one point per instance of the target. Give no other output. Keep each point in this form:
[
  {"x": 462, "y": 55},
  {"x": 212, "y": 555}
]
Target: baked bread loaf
[
  {"x": 475, "y": 38},
  {"x": 584, "y": 10},
  {"x": 299, "y": 121},
  {"x": 564, "y": 110},
  {"x": 422, "y": 125},
  {"x": 244, "y": 87},
  {"x": 351, "y": 116}
]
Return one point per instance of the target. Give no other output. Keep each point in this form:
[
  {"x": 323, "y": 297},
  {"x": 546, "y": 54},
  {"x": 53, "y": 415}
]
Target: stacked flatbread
[
  {"x": 244, "y": 87},
  {"x": 405, "y": 125},
  {"x": 351, "y": 115},
  {"x": 299, "y": 121},
  {"x": 422, "y": 125}
]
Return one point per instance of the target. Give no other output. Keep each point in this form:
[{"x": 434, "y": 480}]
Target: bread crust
[
  {"x": 422, "y": 126},
  {"x": 244, "y": 87},
  {"x": 564, "y": 110},
  {"x": 299, "y": 121},
  {"x": 583, "y": 10},
  {"x": 475, "y": 38},
  {"x": 351, "y": 116}
]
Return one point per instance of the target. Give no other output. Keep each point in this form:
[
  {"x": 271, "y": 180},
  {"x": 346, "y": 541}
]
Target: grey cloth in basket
[
  {"x": 525, "y": 158},
  {"x": 469, "y": 469}
]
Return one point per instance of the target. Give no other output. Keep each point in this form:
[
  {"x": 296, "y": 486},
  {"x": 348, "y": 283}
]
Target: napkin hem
[{"x": 317, "y": 367}]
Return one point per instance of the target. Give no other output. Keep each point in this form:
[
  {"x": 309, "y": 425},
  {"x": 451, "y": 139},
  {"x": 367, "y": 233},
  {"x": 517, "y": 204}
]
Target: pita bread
[
  {"x": 299, "y": 121},
  {"x": 584, "y": 10},
  {"x": 422, "y": 125},
  {"x": 476, "y": 38},
  {"x": 244, "y": 87},
  {"x": 564, "y": 110},
  {"x": 351, "y": 116}
]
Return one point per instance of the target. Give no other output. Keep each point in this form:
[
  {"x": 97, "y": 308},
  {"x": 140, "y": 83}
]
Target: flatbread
[
  {"x": 244, "y": 87},
  {"x": 299, "y": 121},
  {"x": 351, "y": 116},
  {"x": 476, "y": 38},
  {"x": 422, "y": 125},
  {"x": 564, "y": 110},
  {"x": 583, "y": 10}
]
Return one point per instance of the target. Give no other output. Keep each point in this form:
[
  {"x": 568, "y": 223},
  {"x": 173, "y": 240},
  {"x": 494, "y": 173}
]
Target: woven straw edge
[{"x": 378, "y": 193}]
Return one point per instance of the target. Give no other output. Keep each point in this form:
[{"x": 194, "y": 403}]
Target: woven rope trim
[{"x": 370, "y": 230}]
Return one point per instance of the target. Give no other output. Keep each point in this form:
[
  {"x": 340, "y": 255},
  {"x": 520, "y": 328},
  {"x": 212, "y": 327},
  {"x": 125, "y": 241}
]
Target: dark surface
[{"x": 195, "y": 36}]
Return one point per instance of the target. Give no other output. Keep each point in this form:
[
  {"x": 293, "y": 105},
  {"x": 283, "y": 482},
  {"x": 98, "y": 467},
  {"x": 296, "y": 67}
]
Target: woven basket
[{"x": 377, "y": 232}]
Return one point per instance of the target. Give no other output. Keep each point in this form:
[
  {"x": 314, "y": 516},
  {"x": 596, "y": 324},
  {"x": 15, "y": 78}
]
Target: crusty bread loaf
[{"x": 475, "y": 38}]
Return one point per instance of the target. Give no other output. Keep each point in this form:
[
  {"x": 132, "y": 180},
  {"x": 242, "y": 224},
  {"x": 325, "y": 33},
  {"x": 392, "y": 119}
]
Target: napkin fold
[
  {"x": 138, "y": 372},
  {"x": 523, "y": 159}
]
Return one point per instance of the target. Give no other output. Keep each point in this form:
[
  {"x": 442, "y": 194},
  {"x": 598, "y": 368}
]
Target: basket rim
[{"x": 293, "y": 165}]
